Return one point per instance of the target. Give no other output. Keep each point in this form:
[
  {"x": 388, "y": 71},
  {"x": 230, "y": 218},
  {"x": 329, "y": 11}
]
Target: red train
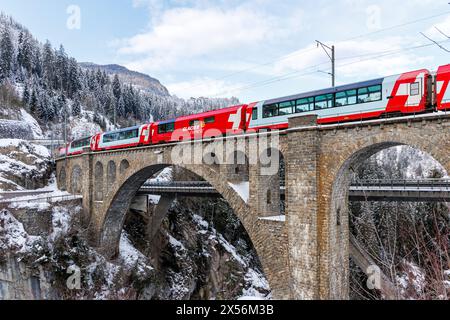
[{"x": 415, "y": 92}]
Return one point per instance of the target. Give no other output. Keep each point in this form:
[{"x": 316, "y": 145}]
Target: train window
[
  {"x": 210, "y": 120},
  {"x": 170, "y": 127},
  {"x": 131, "y": 134},
  {"x": 345, "y": 98},
  {"x": 369, "y": 94},
  {"x": 415, "y": 89},
  {"x": 255, "y": 114},
  {"x": 193, "y": 123},
  {"x": 304, "y": 105},
  {"x": 324, "y": 102},
  {"x": 286, "y": 108},
  {"x": 270, "y": 111},
  {"x": 166, "y": 128}
]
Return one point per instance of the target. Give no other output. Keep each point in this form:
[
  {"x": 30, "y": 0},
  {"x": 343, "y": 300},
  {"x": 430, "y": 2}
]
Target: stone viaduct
[{"x": 306, "y": 254}]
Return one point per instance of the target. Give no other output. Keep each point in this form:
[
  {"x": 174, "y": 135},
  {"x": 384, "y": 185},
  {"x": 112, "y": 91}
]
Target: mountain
[{"x": 137, "y": 79}]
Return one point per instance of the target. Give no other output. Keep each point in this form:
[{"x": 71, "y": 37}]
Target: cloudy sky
[{"x": 253, "y": 50}]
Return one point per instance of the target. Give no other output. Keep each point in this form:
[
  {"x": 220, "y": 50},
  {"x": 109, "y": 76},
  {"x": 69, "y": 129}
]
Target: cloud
[
  {"x": 359, "y": 58},
  {"x": 190, "y": 32},
  {"x": 202, "y": 87},
  {"x": 182, "y": 33}
]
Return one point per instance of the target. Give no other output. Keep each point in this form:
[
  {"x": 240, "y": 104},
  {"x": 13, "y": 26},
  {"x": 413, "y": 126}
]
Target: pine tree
[
  {"x": 33, "y": 103},
  {"x": 76, "y": 107},
  {"x": 48, "y": 61},
  {"x": 117, "y": 88},
  {"x": 26, "y": 95},
  {"x": 25, "y": 54},
  {"x": 6, "y": 54}
]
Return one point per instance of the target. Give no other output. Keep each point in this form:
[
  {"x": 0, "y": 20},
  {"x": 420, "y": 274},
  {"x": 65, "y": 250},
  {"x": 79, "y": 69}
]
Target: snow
[
  {"x": 274, "y": 218},
  {"x": 175, "y": 243},
  {"x": 13, "y": 235},
  {"x": 257, "y": 283},
  {"x": 200, "y": 221},
  {"x": 34, "y": 125},
  {"x": 61, "y": 222},
  {"x": 129, "y": 255},
  {"x": 164, "y": 176},
  {"x": 243, "y": 189}
]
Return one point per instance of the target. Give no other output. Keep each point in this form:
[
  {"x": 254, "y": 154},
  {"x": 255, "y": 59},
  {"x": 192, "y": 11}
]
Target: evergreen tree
[
  {"x": 33, "y": 103},
  {"x": 26, "y": 95},
  {"x": 6, "y": 54},
  {"x": 76, "y": 107},
  {"x": 48, "y": 61},
  {"x": 25, "y": 54},
  {"x": 117, "y": 88}
]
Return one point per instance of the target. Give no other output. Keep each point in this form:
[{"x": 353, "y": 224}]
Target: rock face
[
  {"x": 199, "y": 256},
  {"x": 24, "y": 165}
]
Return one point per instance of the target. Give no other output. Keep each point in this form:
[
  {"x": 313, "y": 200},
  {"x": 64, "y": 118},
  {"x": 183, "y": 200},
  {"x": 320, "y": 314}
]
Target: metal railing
[
  {"x": 51, "y": 199},
  {"x": 439, "y": 184}
]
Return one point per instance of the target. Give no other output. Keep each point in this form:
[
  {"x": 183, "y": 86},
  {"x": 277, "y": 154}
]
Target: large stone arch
[
  {"x": 115, "y": 214},
  {"x": 335, "y": 186}
]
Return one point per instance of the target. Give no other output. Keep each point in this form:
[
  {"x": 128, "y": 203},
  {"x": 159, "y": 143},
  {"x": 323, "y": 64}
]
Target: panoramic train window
[
  {"x": 369, "y": 94},
  {"x": 81, "y": 143},
  {"x": 286, "y": 108},
  {"x": 304, "y": 105},
  {"x": 270, "y": 111},
  {"x": 346, "y": 98},
  {"x": 324, "y": 102},
  {"x": 415, "y": 89},
  {"x": 210, "y": 120},
  {"x": 131, "y": 134}
]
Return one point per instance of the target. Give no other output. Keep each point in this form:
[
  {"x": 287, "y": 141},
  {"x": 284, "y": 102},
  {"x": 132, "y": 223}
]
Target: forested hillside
[{"x": 51, "y": 85}]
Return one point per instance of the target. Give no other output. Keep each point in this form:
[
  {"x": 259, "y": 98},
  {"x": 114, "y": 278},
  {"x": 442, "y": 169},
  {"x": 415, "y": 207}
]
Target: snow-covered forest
[{"x": 50, "y": 85}]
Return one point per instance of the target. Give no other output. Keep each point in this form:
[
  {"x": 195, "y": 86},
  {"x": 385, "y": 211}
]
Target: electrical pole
[{"x": 331, "y": 53}]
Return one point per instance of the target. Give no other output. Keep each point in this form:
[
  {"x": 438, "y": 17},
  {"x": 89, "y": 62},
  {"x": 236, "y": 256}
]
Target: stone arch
[
  {"x": 116, "y": 213},
  {"x": 98, "y": 182},
  {"x": 111, "y": 175},
  {"x": 62, "y": 179},
  {"x": 76, "y": 180},
  {"x": 124, "y": 165},
  {"x": 338, "y": 223}
]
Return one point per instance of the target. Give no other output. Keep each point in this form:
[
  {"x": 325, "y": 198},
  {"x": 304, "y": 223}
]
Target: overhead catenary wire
[
  {"x": 298, "y": 53},
  {"x": 298, "y": 73}
]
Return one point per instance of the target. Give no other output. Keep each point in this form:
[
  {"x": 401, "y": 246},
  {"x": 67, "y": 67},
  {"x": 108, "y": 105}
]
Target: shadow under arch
[{"x": 338, "y": 222}]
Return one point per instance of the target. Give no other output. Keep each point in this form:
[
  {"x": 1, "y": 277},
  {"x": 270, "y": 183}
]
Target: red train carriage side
[
  {"x": 201, "y": 126},
  {"x": 442, "y": 88}
]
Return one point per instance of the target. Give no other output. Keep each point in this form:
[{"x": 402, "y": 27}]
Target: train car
[
  {"x": 209, "y": 124},
  {"x": 62, "y": 151},
  {"x": 78, "y": 146},
  {"x": 442, "y": 88},
  {"x": 395, "y": 95},
  {"x": 121, "y": 139}
]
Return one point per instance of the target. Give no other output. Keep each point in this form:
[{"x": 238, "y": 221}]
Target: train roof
[{"x": 326, "y": 91}]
